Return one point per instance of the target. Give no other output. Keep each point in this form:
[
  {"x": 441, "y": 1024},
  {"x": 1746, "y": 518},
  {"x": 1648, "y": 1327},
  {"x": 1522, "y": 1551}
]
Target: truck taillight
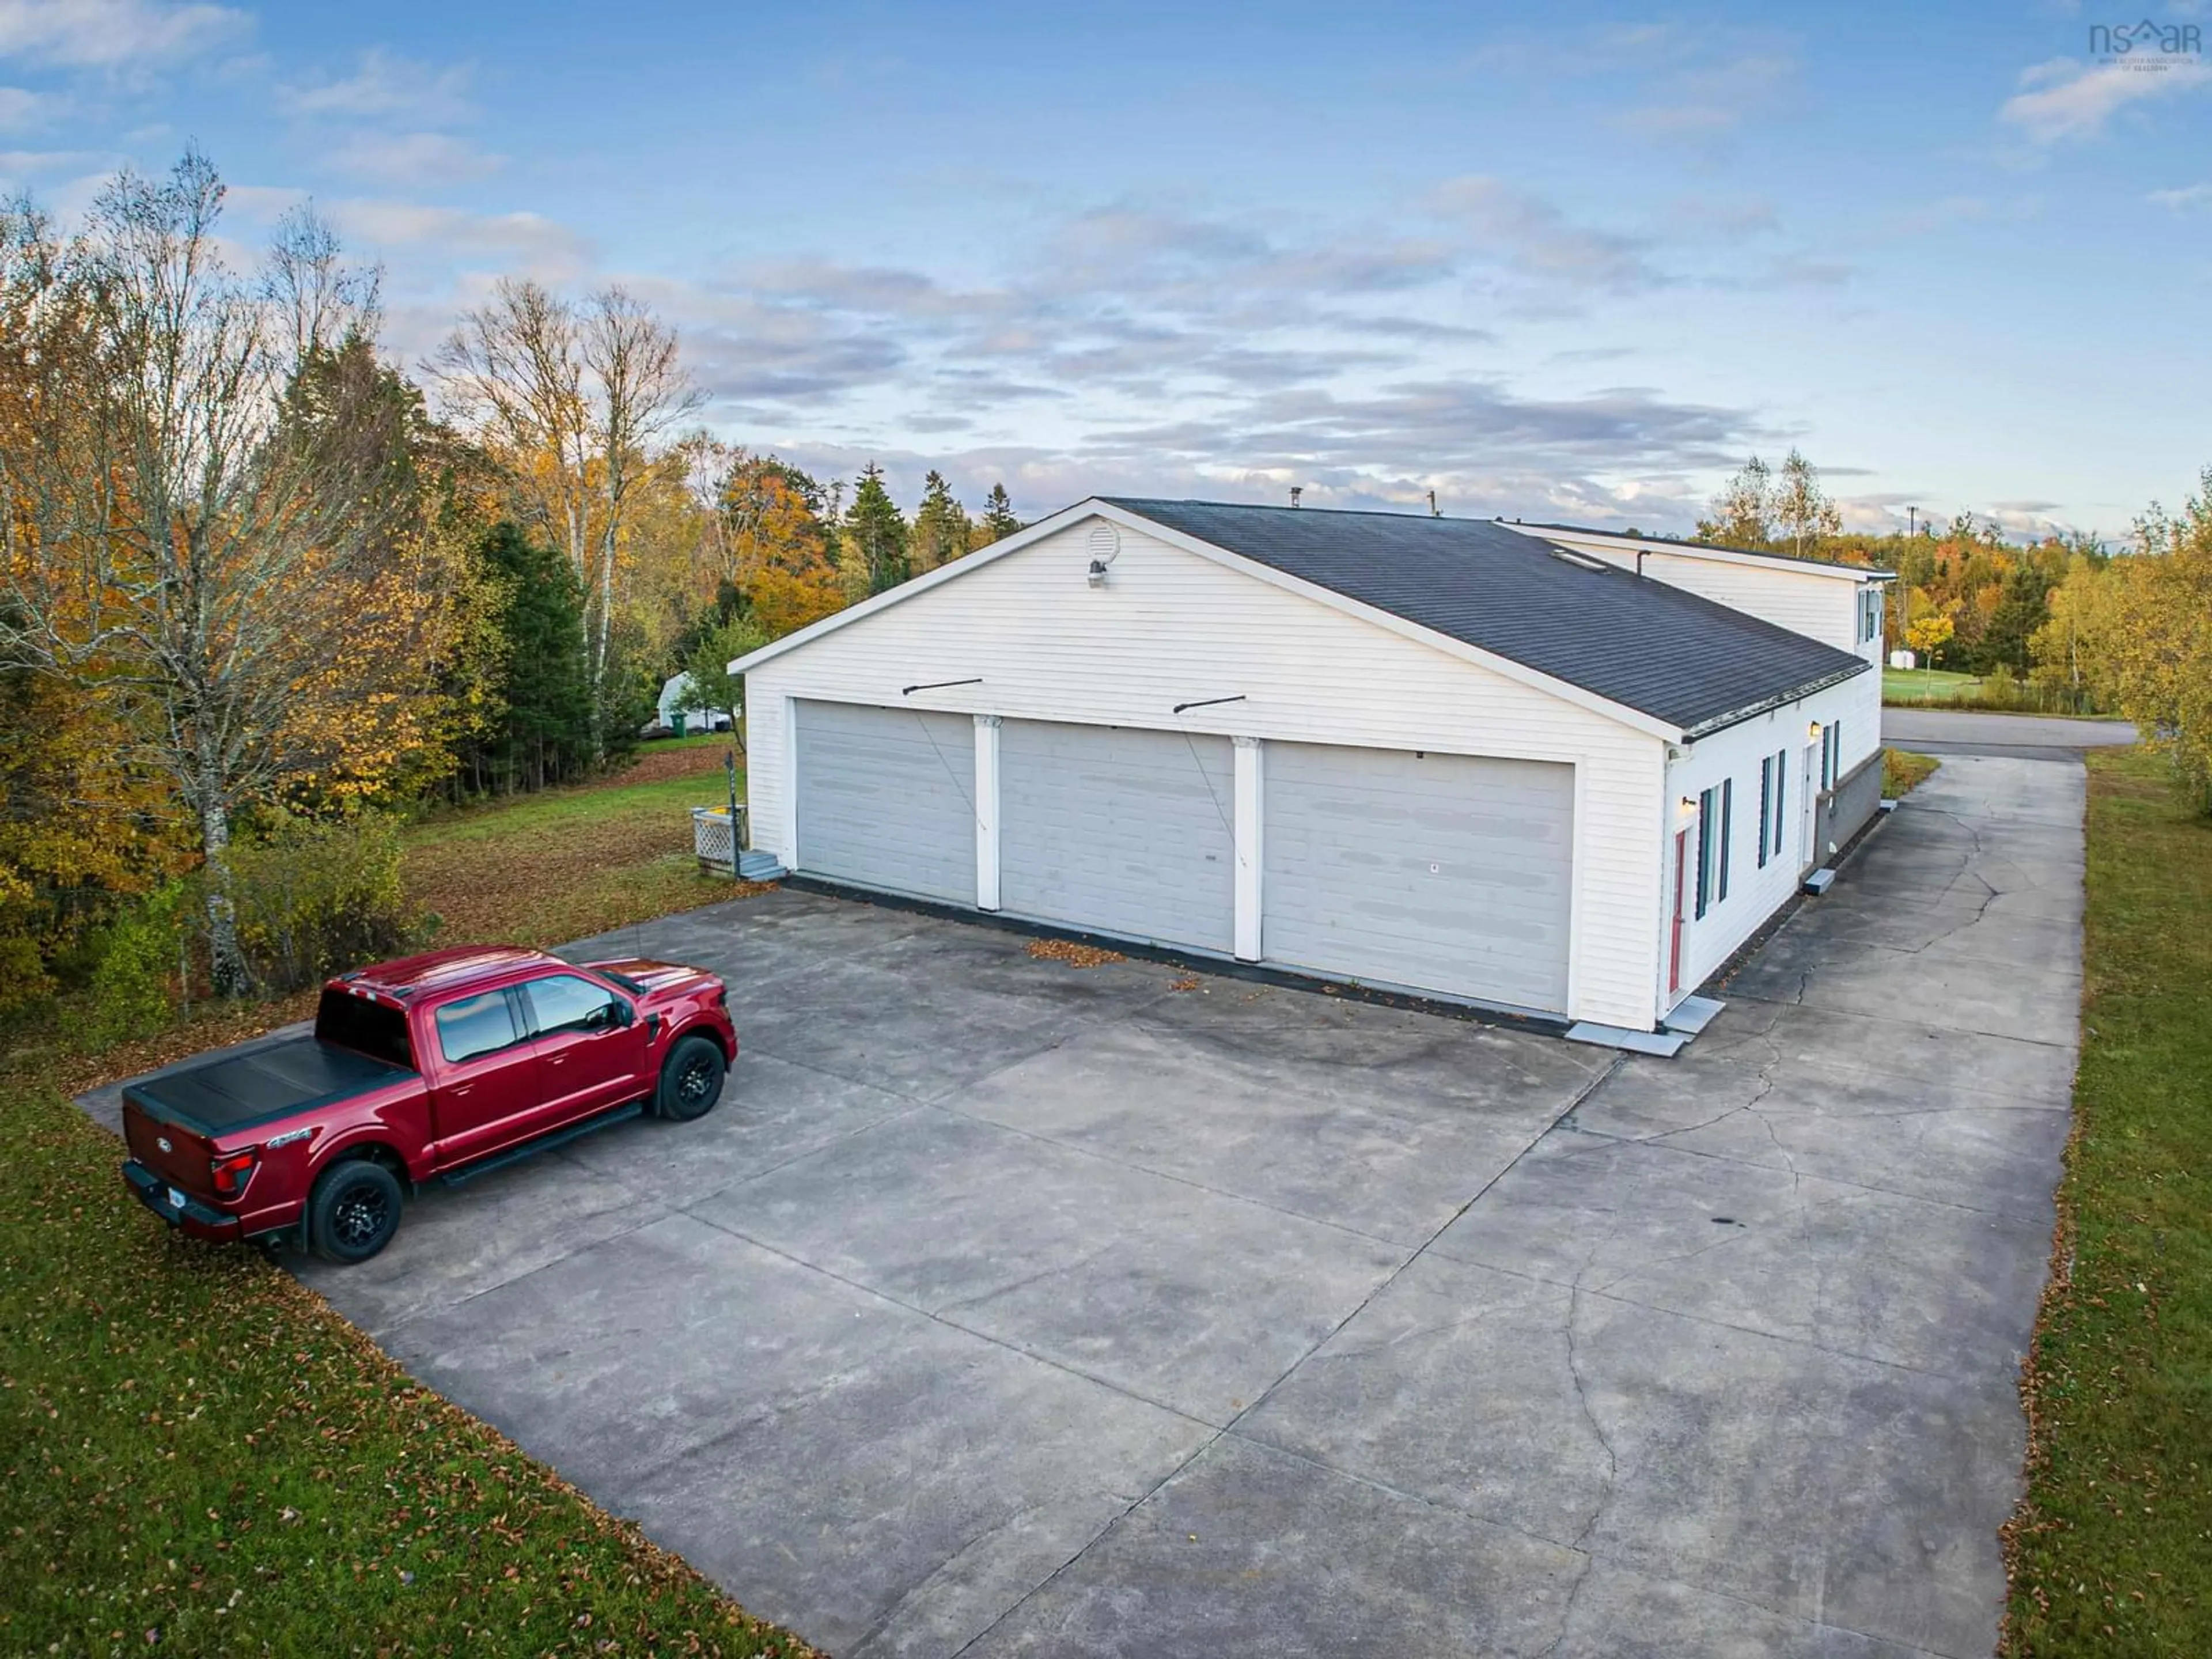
[{"x": 231, "y": 1174}]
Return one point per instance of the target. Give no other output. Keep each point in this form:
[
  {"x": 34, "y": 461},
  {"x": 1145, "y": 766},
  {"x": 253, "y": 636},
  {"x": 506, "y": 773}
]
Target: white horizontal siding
[
  {"x": 1755, "y": 894},
  {"x": 1802, "y": 601},
  {"x": 1821, "y": 606},
  {"x": 1171, "y": 626}
]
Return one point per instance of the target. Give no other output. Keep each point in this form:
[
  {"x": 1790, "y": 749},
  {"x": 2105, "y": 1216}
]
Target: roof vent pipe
[
  {"x": 1432, "y": 506},
  {"x": 1295, "y": 491}
]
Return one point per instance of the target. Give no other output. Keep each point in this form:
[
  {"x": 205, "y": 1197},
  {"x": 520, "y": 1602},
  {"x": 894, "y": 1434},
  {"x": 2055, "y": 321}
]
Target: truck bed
[{"x": 215, "y": 1097}]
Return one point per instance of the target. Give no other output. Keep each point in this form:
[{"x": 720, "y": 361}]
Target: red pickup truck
[{"x": 437, "y": 1066}]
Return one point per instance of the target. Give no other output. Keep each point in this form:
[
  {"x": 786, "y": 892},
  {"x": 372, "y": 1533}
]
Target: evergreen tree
[
  {"x": 543, "y": 734},
  {"x": 942, "y": 531},
  {"x": 2023, "y": 606},
  {"x": 998, "y": 519},
  {"x": 876, "y": 533}
]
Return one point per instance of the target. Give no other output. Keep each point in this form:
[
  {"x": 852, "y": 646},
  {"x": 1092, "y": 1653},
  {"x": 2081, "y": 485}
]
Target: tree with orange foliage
[
  {"x": 774, "y": 544},
  {"x": 207, "y": 511}
]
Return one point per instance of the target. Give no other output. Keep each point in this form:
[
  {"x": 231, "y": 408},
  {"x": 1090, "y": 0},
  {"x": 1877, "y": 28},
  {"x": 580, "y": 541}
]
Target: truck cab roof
[{"x": 453, "y": 968}]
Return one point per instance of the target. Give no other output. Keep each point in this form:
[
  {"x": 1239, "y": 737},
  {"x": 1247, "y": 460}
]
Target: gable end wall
[{"x": 1170, "y": 626}]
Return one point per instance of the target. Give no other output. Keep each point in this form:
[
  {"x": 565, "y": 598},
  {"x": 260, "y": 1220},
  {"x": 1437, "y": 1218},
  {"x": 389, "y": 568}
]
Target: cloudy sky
[{"x": 1558, "y": 262}]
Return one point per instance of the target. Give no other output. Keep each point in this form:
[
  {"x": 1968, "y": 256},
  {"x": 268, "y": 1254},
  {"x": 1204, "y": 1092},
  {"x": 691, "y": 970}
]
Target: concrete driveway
[{"x": 1008, "y": 1308}]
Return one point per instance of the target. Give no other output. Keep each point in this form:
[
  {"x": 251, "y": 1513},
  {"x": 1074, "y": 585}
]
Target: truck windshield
[{"x": 367, "y": 1028}]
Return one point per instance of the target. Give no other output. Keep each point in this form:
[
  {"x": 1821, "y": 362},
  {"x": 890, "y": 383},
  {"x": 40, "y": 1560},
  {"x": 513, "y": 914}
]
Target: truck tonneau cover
[{"x": 218, "y": 1096}]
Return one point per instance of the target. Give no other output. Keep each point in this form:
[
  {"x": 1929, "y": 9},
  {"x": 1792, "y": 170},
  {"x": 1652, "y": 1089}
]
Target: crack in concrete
[{"x": 1589, "y": 1416}]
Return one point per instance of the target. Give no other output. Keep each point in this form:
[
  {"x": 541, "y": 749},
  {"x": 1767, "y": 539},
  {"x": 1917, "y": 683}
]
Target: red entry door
[{"x": 1674, "y": 944}]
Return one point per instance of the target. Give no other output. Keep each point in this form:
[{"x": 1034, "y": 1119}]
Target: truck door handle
[
  {"x": 557, "y": 1059},
  {"x": 462, "y": 1088}
]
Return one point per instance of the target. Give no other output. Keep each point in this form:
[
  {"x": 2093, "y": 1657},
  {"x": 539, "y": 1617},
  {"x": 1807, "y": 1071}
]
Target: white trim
[
  {"x": 986, "y": 811},
  {"x": 1574, "y": 900},
  {"x": 1520, "y": 673},
  {"x": 1250, "y": 827},
  {"x": 790, "y": 781},
  {"x": 1869, "y": 574}
]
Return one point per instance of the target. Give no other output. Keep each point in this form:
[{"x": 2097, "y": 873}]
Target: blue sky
[{"x": 1568, "y": 262}]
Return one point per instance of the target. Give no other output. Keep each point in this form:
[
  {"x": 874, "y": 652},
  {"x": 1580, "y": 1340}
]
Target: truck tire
[
  {"x": 690, "y": 1080},
  {"x": 353, "y": 1211}
]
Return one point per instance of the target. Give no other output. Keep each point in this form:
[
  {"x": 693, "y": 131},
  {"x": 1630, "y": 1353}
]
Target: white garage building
[{"x": 1558, "y": 773}]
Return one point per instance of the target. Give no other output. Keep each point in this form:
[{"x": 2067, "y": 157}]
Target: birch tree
[
  {"x": 640, "y": 393},
  {"x": 576, "y": 399},
  {"x": 1801, "y": 508},
  {"x": 198, "y": 507},
  {"x": 1743, "y": 512}
]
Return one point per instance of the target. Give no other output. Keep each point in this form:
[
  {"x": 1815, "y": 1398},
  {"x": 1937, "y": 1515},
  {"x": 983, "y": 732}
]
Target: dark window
[
  {"x": 1706, "y": 845},
  {"x": 368, "y": 1028},
  {"x": 1836, "y": 764},
  {"x": 568, "y": 1002},
  {"x": 1781, "y": 794},
  {"x": 1728, "y": 825},
  {"x": 474, "y": 1026},
  {"x": 1765, "y": 806}
]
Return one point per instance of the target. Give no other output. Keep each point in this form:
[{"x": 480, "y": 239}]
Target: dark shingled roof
[{"x": 1632, "y": 640}]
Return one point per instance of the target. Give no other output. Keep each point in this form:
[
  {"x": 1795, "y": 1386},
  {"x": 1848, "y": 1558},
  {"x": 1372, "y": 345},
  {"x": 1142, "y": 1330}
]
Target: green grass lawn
[
  {"x": 198, "y": 1455},
  {"x": 2112, "y": 1552},
  {"x": 570, "y": 863},
  {"x": 1902, "y": 771},
  {"x": 1926, "y": 685}
]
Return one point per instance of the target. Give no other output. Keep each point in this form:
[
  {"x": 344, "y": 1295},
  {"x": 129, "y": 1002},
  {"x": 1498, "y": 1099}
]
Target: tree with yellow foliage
[
  {"x": 207, "y": 510},
  {"x": 1927, "y": 634},
  {"x": 2138, "y": 632},
  {"x": 773, "y": 544}
]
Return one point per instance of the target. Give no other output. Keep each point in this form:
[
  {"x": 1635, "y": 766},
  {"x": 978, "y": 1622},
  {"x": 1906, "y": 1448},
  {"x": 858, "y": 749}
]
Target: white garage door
[
  {"x": 1119, "y": 831},
  {"x": 1442, "y": 872},
  {"x": 886, "y": 799}
]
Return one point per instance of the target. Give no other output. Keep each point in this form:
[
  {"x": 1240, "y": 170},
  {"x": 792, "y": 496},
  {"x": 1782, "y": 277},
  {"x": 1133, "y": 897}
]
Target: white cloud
[
  {"x": 385, "y": 86},
  {"x": 112, "y": 33},
  {"x": 529, "y": 240},
  {"x": 2189, "y": 198},
  {"x": 1682, "y": 80},
  {"x": 22, "y": 111},
  {"x": 17, "y": 166},
  {"x": 1538, "y": 240},
  {"x": 2065, "y": 98},
  {"x": 1712, "y": 100},
  {"x": 417, "y": 158}
]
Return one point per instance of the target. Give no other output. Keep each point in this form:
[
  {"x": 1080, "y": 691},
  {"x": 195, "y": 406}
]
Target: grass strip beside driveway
[
  {"x": 1903, "y": 771},
  {"x": 198, "y": 1455},
  {"x": 2110, "y": 1554}
]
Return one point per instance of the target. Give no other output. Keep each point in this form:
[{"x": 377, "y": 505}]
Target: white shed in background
[
  {"x": 672, "y": 690},
  {"x": 1430, "y": 754}
]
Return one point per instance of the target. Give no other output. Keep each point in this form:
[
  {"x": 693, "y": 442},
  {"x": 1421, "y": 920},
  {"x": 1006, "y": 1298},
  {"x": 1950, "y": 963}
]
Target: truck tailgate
[{"x": 180, "y": 1156}]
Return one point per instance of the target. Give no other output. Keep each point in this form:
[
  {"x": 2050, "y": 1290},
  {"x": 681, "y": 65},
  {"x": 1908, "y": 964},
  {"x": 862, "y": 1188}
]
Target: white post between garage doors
[
  {"x": 1247, "y": 848},
  {"x": 787, "y": 721},
  {"x": 986, "y": 811}
]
